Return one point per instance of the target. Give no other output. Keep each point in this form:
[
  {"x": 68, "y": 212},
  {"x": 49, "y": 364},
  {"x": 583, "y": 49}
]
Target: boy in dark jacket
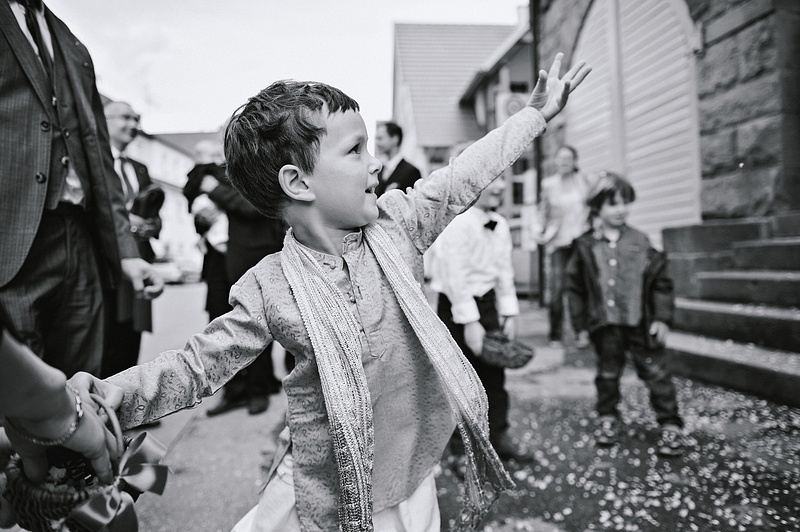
[{"x": 618, "y": 291}]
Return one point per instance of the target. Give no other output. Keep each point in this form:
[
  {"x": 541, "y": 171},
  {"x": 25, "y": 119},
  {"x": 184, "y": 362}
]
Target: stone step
[
  {"x": 768, "y": 373},
  {"x": 682, "y": 268},
  {"x": 763, "y": 325},
  {"x": 786, "y": 224},
  {"x": 769, "y": 254},
  {"x": 715, "y": 235},
  {"x": 765, "y": 287}
]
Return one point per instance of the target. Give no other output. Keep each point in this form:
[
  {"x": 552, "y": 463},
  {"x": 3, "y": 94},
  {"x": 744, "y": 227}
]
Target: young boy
[
  {"x": 618, "y": 291},
  {"x": 474, "y": 276},
  {"x": 378, "y": 384}
]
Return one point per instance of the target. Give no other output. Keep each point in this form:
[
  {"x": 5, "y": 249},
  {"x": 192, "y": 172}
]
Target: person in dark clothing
[
  {"x": 251, "y": 237},
  {"x": 618, "y": 290},
  {"x": 396, "y": 172}
]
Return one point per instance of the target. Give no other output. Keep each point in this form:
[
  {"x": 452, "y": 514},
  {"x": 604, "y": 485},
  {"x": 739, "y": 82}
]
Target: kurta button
[
  {"x": 352, "y": 298},
  {"x": 41, "y": 178},
  {"x": 45, "y": 125}
]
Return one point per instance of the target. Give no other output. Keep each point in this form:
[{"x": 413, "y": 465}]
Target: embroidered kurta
[{"x": 412, "y": 420}]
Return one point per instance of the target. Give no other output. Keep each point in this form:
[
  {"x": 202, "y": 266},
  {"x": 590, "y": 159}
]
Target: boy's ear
[{"x": 294, "y": 183}]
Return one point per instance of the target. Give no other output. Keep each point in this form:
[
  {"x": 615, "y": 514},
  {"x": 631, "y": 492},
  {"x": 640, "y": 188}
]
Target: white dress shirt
[{"x": 469, "y": 260}]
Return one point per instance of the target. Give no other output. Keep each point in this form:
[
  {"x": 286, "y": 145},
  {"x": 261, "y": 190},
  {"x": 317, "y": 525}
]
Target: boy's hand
[
  {"x": 659, "y": 330},
  {"x": 474, "y": 333},
  {"x": 551, "y": 92},
  {"x": 510, "y": 327}
]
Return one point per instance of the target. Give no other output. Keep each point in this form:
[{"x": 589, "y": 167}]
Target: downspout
[{"x": 533, "y": 15}]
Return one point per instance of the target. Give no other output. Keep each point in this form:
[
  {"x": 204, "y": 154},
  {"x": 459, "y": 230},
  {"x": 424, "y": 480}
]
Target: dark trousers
[
  {"x": 123, "y": 341},
  {"x": 55, "y": 302},
  {"x": 611, "y": 344},
  {"x": 558, "y": 267},
  {"x": 493, "y": 378},
  {"x": 257, "y": 379}
]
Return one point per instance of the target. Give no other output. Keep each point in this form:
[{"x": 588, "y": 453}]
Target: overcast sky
[{"x": 186, "y": 65}]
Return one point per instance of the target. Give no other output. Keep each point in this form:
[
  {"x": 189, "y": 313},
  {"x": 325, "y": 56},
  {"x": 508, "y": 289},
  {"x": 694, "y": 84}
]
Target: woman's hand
[
  {"x": 550, "y": 94},
  {"x": 91, "y": 437}
]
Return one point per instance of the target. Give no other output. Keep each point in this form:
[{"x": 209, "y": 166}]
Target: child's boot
[
  {"x": 606, "y": 433},
  {"x": 671, "y": 442}
]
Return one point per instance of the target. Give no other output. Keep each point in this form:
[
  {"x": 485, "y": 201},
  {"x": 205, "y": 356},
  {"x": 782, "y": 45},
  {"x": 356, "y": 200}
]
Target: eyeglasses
[{"x": 126, "y": 118}]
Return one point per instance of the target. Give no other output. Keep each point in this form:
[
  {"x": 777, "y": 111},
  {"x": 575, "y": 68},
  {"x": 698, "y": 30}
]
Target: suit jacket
[
  {"x": 143, "y": 177},
  {"x": 251, "y": 235},
  {"x": 26, "y": 113},
  {"x": 404, "y": 176},
  {"x": 128, "y": 306}
]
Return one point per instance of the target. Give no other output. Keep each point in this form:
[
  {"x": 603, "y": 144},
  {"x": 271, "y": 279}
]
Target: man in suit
[
  {"x": 128, "y": 316},
  {"x": 396, "y": 172},
  {"x": 64, "y": 231}
]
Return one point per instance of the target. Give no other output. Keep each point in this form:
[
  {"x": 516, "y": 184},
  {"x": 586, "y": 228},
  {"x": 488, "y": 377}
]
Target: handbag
[
  {"x": 72, "y": 499},
  {"x": 501, "y": 351}
]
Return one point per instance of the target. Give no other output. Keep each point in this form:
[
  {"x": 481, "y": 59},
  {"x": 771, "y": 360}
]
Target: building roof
[
  {"x": 436, "y": 63},
  {"x": 185, "y": 142}
]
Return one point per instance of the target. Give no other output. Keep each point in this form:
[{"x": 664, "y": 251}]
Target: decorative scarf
[{"x": 334, "y": 335}]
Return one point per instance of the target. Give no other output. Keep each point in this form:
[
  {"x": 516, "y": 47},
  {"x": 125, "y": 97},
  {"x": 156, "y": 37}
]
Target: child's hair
[
  {"x": 605, "y": 188},
  {"x": 274, "y": 128}
]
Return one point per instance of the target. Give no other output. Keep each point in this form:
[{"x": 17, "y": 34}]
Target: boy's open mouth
[{"x": 371, "y": 190}]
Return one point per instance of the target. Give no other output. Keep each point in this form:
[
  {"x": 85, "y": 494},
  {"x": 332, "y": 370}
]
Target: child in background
[
  {"x": 474, "y": 276},
  {"x": 618, "y": 290},
  {"x": 379, "y": 384}
]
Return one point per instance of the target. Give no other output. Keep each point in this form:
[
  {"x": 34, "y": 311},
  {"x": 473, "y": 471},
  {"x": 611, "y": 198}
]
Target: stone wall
[{"x": 748, "y": 94}]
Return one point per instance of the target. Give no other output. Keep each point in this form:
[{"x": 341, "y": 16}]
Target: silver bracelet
[{"x": 66, "y": 436}]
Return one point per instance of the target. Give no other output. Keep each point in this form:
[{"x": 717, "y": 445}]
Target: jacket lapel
[{"x": 25, "y": 55}]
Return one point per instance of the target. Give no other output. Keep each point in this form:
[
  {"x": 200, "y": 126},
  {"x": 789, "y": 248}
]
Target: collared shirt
[
  {"x": 390, "y": 167},
  {"x": 19, "y": 14},
  {"x": 121, "y": 164},
  {"x": 621, "y": 266},
  {"x": 72, "y": 192},
  {"x": 470, "y": 259}
]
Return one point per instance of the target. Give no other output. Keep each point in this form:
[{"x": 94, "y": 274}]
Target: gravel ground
[{"x": 741, "y": 470}]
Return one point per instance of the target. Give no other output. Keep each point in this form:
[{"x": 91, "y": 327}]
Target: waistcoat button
[
  {"x": 45, "y": 125},
  {"x": 41, "y": 178}
]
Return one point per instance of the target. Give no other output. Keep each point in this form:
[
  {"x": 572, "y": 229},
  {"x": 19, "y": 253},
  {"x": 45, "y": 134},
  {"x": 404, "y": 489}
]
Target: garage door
[{"x": 637, "y": 112}]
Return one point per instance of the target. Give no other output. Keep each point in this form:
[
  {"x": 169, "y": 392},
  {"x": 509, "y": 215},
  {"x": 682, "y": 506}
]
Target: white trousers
[{"x": 277, "y": 512}]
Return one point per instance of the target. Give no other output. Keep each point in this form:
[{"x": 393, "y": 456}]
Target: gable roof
[
  {"x": 436, "y": 63},
  {"x": 185, "y": 142}
]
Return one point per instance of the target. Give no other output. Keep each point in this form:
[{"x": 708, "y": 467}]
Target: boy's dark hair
[
  {"x": 605, "y": 188},
  {"x": 393, "y": 130},
  {"x": 274, "y": 128}
]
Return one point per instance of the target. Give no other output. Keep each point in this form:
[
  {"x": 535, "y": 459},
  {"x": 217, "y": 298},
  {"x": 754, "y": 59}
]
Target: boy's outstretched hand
[{"x": 550, "y": 94}]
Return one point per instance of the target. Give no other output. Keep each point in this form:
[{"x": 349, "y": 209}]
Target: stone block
[
  {"x": 780, "y": 253},
  {"x": 771, "y": 327},
  {"x": 786, "y": 224},
  {"x": 758, "y": 48},
  {"x": 683, "y": 268},
  {"x": 714, "y": 235},
  {"x": 752, "y": 99},
  {"x": 717, "y": 152},
  {"x": 787, "y": 35},
  {"x": 758, "y": 287},
  {"x": 747, "y": 192},
  {"x": 719, "y": 67},
  {"x": 758, "y": 142}
]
